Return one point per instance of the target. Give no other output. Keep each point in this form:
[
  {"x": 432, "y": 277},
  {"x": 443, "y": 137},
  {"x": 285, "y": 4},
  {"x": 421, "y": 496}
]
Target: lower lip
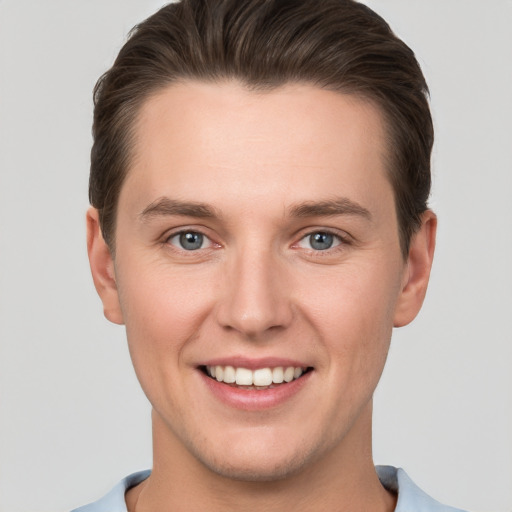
[{"x": 255, "y": 400}]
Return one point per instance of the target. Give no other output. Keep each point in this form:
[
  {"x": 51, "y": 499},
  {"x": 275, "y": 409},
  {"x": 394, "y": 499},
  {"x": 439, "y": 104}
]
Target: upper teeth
[{"x": 259, "y": 377}]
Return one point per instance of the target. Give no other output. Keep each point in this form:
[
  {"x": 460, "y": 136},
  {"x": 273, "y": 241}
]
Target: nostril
[{"x": 257, "y": 302}]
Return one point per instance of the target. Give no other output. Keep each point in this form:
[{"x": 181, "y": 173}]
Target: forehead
[{"x": 299, "y": 136}]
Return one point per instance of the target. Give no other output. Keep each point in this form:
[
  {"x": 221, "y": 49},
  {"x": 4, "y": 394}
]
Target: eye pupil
[
  {"x": 191, "y": 241},
  {"x": 321, "y": 241}
]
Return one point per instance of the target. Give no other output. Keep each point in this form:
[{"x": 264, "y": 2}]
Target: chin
[
  {"x": 258, "y": 462},
  {"x": 256, "y": 471}
]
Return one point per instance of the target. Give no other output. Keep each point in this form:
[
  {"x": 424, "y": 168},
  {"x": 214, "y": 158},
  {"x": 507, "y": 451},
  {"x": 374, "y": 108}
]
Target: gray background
[{"x": 72, "y": 418}]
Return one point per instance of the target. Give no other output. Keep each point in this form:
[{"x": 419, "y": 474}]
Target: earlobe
[
  {"x": 102, "y": 268},
  {"x": 417, "y": 271}
]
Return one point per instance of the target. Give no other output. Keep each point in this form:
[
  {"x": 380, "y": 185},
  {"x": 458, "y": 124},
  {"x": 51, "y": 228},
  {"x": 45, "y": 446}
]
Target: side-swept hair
[{"x": 339, "y": 45}]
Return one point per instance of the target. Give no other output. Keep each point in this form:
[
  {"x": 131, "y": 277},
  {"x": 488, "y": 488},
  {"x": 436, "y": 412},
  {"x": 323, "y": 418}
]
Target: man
[{"x": 259, "y": 223}]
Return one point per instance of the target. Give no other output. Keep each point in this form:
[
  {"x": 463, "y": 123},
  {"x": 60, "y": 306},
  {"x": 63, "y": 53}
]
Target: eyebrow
[
  {"x": 337, "y": 206},
  {"x": 165, "y": 206}
]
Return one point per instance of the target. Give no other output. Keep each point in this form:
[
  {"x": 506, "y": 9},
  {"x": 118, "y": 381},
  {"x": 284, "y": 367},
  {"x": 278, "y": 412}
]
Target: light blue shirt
[{"x": 410, "y": 497}]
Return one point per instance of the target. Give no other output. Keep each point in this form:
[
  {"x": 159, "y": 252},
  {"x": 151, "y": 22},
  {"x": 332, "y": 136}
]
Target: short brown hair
[{"x": 339, "y": 45}]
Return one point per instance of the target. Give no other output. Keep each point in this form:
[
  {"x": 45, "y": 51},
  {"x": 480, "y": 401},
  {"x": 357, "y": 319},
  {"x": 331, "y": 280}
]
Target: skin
[{"x": 257, "y": 288}]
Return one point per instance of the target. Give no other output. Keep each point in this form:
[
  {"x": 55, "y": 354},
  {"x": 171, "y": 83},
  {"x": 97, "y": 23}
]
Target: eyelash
[
  {"x": 342, "y": 242},
  {"x": 182, "y": 232}
]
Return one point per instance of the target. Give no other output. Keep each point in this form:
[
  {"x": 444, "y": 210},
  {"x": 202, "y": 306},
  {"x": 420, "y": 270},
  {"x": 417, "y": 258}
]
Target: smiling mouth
[{"x": 260, "y": 379}]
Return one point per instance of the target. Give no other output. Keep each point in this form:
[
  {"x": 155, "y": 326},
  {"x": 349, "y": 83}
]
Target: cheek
[
  {"x": 163, "y": 310},
  {"x": 354, "y": 314},
  {"x": 164, "y": 313}
]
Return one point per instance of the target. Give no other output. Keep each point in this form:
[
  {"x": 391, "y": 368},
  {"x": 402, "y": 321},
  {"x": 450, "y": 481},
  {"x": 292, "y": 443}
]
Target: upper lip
[{"x": 254, "y": 363}]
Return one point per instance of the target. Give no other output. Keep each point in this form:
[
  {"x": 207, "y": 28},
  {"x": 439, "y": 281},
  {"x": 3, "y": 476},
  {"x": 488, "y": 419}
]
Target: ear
[
  {"x": 102, "y": 268},
  {"x": 417, "y": 271}
]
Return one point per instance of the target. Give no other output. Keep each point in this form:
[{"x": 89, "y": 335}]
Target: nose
[{"x": 257, "y": 297}]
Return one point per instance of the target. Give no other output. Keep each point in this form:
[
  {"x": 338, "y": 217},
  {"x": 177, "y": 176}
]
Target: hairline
[{"x": 130, "y": 145}]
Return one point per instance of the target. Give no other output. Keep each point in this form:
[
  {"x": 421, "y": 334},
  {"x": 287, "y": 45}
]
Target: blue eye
[
  {"x": 188, "y": 240},
  {"x": 320, "y": 241}
]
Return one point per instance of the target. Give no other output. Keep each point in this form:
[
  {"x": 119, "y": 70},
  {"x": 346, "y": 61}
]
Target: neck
[{"x": 342, "y": 479}]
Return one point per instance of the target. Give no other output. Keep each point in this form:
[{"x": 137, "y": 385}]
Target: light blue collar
[{"x": 410, "y": 497}]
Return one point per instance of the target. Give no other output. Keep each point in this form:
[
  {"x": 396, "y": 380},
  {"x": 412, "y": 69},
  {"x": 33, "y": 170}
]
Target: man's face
[{"x": 256, "y": 232}]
